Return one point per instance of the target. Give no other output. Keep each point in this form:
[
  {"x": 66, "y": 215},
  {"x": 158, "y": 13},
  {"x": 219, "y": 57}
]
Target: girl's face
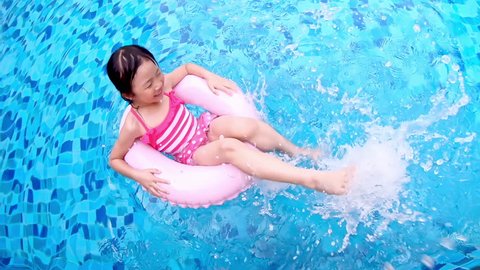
[{"x": 147, "y": 84}]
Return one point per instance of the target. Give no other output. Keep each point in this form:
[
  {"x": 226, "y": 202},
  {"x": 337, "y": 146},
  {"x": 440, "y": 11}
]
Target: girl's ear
[{"x": 127, "y": 96}]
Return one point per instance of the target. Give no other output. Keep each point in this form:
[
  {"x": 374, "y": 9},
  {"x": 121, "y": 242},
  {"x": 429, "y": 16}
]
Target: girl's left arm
[{"x": 214, "y": 81}]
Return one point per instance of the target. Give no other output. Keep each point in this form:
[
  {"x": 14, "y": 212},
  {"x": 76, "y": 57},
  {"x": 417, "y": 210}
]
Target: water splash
[
  {"x": 256, "y": 94},
  {"x": 381, "y": 173},
  {"x": 378, "y": 196}
]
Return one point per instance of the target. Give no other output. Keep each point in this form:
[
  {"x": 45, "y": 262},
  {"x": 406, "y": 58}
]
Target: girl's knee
[
  {"x": 248, "y": 127},
  {"x": 229, "y": 146}
]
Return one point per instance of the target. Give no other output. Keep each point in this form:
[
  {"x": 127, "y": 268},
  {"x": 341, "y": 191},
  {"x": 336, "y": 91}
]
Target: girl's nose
[{"x": 158, "y": 84}]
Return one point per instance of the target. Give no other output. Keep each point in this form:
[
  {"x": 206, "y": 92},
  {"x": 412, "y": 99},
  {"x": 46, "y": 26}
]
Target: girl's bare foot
[{"x": 332, "y": 182}]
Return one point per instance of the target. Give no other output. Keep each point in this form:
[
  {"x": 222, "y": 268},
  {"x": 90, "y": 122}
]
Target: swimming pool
[{"x": 390, "y": 86}]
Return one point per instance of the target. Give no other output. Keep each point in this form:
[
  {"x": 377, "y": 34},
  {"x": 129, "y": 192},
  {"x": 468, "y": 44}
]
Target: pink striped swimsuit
[{"x": 180, "y": 133}]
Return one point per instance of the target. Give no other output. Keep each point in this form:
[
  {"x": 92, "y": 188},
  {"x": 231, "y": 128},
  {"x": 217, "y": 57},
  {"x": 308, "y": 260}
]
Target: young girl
[{"x": 160, "y": 119}]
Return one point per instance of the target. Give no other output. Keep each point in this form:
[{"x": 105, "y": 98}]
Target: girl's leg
[
  {"x": 265, "y": 166},
  {"x": 256, "y": 132}
]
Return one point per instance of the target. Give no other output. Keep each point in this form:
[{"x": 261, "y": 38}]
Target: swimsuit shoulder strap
[
  {"x": 139, "y": 118},
  {"x": 173, "y": 97}
]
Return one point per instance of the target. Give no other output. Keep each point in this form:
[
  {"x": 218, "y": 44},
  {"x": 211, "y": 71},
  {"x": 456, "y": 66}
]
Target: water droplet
[
  {"x": 462, "y": 238},
  {"x": 452, "y": 77},
  {"x": 445, "y": 59},
  {"x": 416, "y": 28},
  {"x": 448, "y": 243},
  {"x": 388, "y": 266},
  {"x": 428, "y": 261}
]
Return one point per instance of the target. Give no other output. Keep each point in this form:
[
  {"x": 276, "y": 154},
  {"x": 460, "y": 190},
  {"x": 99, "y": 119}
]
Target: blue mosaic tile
[
  {"x": 59, "y": 200},
  {"x": 473, "y": 264}
]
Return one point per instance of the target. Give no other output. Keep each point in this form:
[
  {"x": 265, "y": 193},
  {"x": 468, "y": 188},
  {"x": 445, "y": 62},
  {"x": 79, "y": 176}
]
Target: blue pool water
[{"x": 391, "y": 86}]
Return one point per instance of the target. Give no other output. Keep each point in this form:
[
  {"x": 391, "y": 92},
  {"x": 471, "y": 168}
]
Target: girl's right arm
[{"x": 146, "y": 177}]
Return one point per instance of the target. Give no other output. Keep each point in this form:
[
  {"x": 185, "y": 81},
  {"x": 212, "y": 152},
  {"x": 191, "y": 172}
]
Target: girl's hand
[
  {"x": 150, "y": 182},
  {"x": 219, "y": 84}
]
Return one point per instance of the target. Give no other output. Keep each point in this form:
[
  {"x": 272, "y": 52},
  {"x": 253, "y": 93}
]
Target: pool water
[{"x": 390, "y": 86}]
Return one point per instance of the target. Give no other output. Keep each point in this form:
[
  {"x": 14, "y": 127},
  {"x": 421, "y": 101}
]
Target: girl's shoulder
[{"x": 131, "y": 127}]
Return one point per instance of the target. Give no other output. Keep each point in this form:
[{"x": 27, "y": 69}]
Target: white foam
[
  {"x": 467, "y": 139},
  {"x": 381, "y": 172},
  {"x": 382, "y": 161}
]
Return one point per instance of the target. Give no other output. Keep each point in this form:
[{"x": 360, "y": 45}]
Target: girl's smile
[{"x": 159, "y": 94}]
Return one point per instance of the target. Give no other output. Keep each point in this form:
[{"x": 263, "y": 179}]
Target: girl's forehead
[
  {"x": 146, "y": 68},
  {"x": 144, "y": 72}
]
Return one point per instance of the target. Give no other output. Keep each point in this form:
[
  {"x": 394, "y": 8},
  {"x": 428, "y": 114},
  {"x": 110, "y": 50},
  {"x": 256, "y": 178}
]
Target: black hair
[{"x": 123, "y": 65}]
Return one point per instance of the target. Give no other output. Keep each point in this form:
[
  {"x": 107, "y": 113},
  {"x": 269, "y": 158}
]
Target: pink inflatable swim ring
[{"x": 196, "y": 186}]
